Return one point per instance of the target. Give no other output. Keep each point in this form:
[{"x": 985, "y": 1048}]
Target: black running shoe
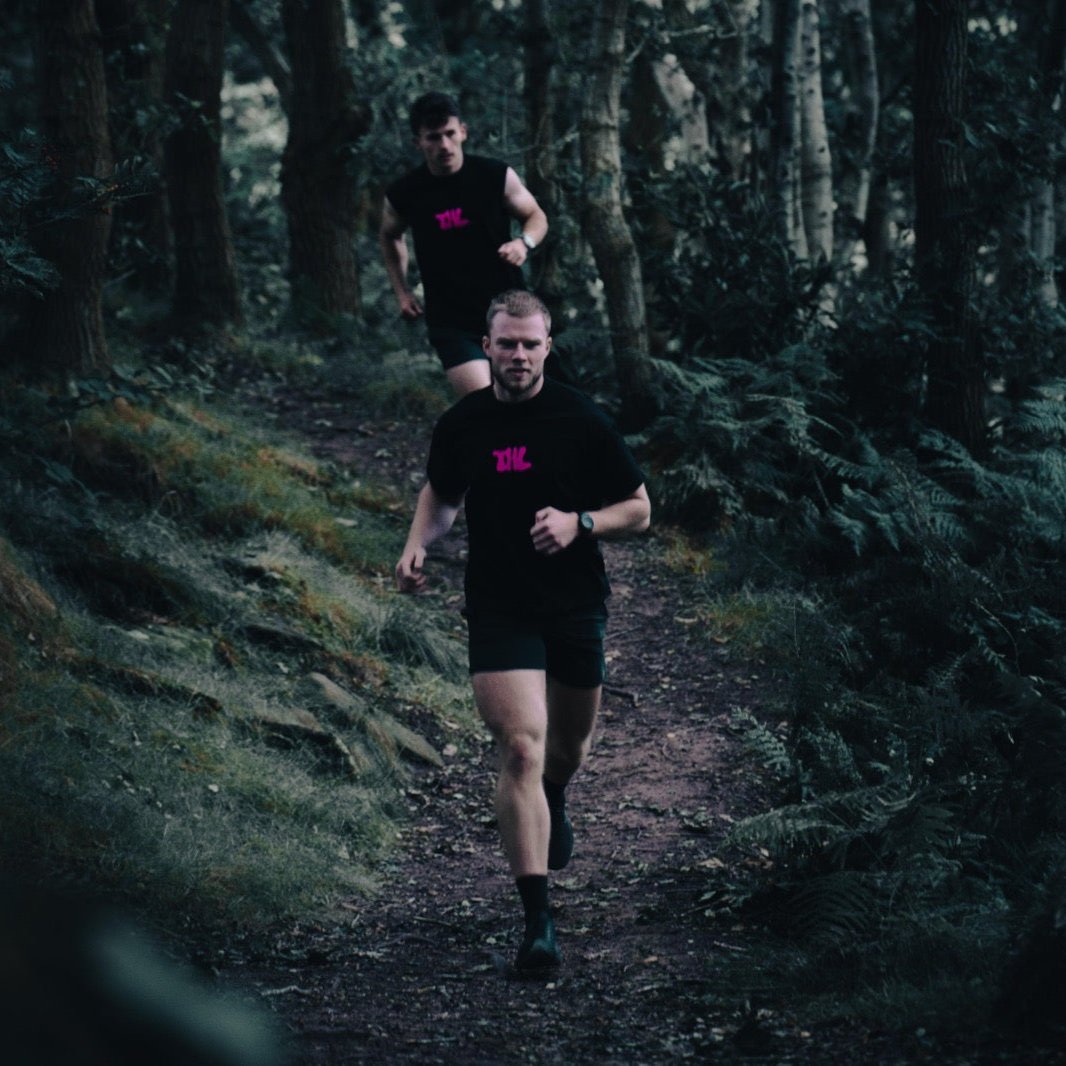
[
  {"x": 561, "y": 841},
  {"x": 538, "y": 952}
]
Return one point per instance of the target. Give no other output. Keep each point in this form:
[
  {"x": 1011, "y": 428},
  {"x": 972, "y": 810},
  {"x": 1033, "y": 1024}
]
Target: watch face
[{"x": 587, "y": 524}]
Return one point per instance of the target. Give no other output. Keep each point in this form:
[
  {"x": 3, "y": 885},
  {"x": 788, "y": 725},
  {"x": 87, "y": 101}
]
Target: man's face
[
  {"x": 517, "y": 348},
  {"x": 442, "y": 147}
]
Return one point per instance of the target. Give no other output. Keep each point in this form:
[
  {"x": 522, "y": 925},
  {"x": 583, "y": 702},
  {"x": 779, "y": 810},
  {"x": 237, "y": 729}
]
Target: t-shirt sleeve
[
  {"x": 443, "y": 468},
  {"x": 398, "y": 194},
  {"x": 618, "y": 475}
]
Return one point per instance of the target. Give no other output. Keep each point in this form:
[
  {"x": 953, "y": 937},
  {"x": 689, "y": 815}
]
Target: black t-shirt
[
  {"x": 511, "y": 459},
  {"x": 458, "y": 222}
]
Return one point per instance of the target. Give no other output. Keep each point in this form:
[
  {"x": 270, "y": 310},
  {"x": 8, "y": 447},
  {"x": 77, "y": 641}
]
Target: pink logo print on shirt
[
  {"x": 452, "y": 219},
  {"x": 510, "y": 460}
]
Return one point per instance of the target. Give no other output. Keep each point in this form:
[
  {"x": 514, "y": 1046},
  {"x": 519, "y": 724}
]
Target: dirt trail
[{"x": 422, "y": 974}]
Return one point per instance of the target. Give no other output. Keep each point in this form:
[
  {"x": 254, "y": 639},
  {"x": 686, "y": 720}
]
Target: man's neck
[
  {"x": 510, "y": 398},
  {"x": 447, "y": 173}
]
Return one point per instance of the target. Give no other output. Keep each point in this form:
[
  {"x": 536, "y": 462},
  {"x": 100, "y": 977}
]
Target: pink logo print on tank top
[
  {"x": 452, "y": 219},
  {"x": 511, "y": 460}
]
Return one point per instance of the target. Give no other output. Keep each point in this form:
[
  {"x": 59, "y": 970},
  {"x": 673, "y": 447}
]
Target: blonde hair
[{"x": 518, "y": 303}]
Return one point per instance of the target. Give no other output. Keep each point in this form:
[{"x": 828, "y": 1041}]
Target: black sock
[
  {"x": 556, "y": 794},
  {"x": 533, "y": 888}
]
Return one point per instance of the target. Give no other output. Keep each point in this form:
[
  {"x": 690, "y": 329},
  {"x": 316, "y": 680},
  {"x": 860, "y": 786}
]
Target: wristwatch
[
  {"x": 528, "y": 241},
  {"x": 585, "y": 524}
]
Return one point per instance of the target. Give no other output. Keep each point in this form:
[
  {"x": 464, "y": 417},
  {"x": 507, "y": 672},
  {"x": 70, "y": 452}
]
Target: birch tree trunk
[
  {"x": 718, "y": 73},
  {"x": 317, "y": 191},
  {"x": 1028, "y": 228},
  {"x": 859, "y": 34},
  {"x": 1042, "y": 214},
  {"x": 945, "y": 251},
  {"x": 206, "y": 289},
  {"x": 64, "y": 332},
  {"x": 668, "y": 115},
  {"x": 816, "y": 172},
  {"x": 786, "y": 127},
  {"x": 1042, "y": 200},
  {"x": 604, "y": 222}
]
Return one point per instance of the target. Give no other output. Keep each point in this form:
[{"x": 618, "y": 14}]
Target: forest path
[{"x": 422, "y": 973}]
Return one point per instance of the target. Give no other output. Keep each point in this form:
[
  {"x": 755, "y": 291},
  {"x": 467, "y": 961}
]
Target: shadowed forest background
[{"x": 809, "y": 255}]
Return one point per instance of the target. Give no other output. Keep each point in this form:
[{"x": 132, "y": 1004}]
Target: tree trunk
[
  {"x": 1042, "y": 207},
  {"x": 859, "y": 34},
  {"x": 945, "y": 252},
  {"x": 718, "y": 72},
  {"x": 64, "y": 332},
  {"x": 134, "y": 34},
  {"x": 206, "y": 289},
  {"x": 608, "y": 233},
  {"x": 1042, "y": 200},
  {"x": 316, "y": 188},
  {"x": 816, "y": 172},
  {"x": 542, "y": 161},
  {"x": 876, "y": 229},
  {"x": 786, "y": 138},
  {"x": 763, "y": 140},
  {"x": 262, "y": 46},
  {"x": 674, "y": 118}
]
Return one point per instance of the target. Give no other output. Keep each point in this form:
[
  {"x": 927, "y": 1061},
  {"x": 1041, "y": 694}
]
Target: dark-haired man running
[
  {"x": 459, "y": 208},
  {"x": 543, "y": 476}
]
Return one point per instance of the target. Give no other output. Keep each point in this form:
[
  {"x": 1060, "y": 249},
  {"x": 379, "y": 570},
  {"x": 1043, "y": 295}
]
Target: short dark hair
[
  {"x": 432, "y": 110},
  {"x": 518, "y": 303}
]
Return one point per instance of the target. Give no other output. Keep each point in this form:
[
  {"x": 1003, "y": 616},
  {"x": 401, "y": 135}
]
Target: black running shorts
[
  {"x": 567, "y": 647},
  {"x": 455, "y": 346}
]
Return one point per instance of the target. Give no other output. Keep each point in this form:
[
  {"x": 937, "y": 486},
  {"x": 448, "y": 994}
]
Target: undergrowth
[
  {"x": 908, "y": 594},
  {"x": 174, "y": 576}
]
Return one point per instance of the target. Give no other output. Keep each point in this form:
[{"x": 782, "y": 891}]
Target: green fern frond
[
  {"x": 834, "y": 907},
  {"x": 767, "y": 747}
]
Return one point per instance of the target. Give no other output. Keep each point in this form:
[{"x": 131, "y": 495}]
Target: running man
[
  {"x": 543, "y": 476},
  {"x": 459, "y": 209}
]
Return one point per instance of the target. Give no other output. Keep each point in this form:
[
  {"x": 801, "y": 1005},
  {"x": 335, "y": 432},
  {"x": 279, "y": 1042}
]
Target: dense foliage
[
  {"x": 918, "y": 613},
  {"x": 911, "y": 585}
]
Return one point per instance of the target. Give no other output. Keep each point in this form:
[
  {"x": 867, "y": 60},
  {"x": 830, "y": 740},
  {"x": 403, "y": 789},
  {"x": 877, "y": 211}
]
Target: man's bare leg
[
  {"x": 469, "y": 376},
  {"x": 571, "y": 719},
  {"x": 513, "y": 704}
]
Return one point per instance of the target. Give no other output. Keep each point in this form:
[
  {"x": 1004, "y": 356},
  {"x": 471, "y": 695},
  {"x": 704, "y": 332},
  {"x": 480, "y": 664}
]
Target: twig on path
[
  {"x": 439, "y": 921},
  {"x": 613, "y": 690}
]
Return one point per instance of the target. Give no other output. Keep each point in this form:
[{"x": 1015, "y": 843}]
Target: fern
[{"x": 767, "y": 747}]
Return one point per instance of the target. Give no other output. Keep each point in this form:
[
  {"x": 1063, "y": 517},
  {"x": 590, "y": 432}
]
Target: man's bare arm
[
  {"x": 391, "y": 237},
  {"x": 434, "y": 516},
  {"x": 521, "y": 205},
  {"x": 555, "y": 530}
]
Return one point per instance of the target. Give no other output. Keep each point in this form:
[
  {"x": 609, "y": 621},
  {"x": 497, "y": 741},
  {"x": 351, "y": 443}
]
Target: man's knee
[
  {"x": 522, "y": 755},
  {"x": 567, "y": 753}
]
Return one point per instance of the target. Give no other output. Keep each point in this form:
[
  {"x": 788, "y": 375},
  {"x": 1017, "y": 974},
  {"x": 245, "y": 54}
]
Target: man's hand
[
  {"x": 513, "y": 252},
  {"x": 554, "y": 530},
  {"x": 409, "y": 576},
  {"x": 410, "y": 308}
]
